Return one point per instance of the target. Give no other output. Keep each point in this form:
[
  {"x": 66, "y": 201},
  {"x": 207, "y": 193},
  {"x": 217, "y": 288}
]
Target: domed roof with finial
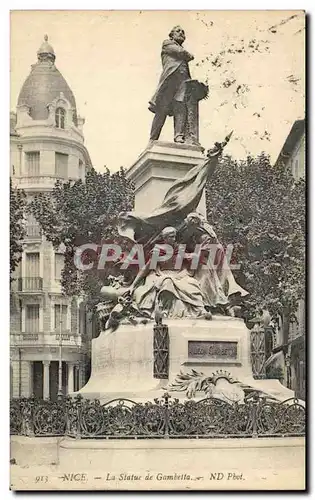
[
  {"x": 44, "y": 84},
  {"x": 46, "y": 48}
]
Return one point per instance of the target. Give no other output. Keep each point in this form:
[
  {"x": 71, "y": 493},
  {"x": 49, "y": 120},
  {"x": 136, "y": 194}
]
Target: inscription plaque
[{"x": 213, "y": 349}]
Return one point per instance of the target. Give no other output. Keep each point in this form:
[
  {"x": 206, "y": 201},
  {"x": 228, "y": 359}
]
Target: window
[
  {"x": 297, "y": 327},
  {"x": 61, "y": 313},
  {"x": 59, "y": 263},
  {"x": 301, "y": 317},
  {"x": 82, "y": 319},
  {"x": 32, "y": 227},
  {"x": 61, "y": 165},
  {"x": 80, "y": 169},
  {"x": 293, "y": 330},
  {"x": 60, "y": 118},
  {"x": 75, "y": 117},
  {"x": 32, "y": 163},
  {"x": 32, "y": 265},
  {"x": 31, "y": 220},
  {"x": 32, "y": 318},
  {"x": 20, "y": 314}
]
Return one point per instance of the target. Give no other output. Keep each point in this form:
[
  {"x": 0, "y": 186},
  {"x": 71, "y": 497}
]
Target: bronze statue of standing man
[
  {"x": 177, "y": 94},
  {"x": 169, "y": 98}
]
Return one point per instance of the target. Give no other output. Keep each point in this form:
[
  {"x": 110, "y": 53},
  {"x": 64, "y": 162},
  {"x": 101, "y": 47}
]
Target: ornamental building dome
[{"x": 44, "y": 84}]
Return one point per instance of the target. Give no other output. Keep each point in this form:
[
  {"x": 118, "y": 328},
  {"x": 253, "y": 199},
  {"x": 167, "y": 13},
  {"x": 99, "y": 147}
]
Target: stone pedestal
[
  {"x": 122, "y": 361},
  {"x": 157, "y": 167}
]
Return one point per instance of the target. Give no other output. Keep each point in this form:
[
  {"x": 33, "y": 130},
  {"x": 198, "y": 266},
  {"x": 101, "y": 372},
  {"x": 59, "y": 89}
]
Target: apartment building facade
[
  {"x": 293, "y": 155},
  {"x": 47, "y": 328}
]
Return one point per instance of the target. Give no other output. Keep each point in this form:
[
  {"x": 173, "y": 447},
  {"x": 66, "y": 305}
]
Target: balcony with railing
[
  {"x": 38, "y": 181},
  {"x": 34, "y": 285},
  {"x": 68, "y": 339}
]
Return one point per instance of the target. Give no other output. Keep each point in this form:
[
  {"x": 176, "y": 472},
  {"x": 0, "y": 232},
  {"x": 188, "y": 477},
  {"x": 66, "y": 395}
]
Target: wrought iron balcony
[
  {"x": 65, "y": 336},
  {"x": 68, "y": 338},
  {"x": 30, "y": 284},
  {"x": 18, "y": 339},
  {"x": 29, "y": 336}
]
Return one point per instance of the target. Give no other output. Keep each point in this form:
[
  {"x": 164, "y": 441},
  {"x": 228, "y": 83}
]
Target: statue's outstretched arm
[{"x": 219, "y": 146}]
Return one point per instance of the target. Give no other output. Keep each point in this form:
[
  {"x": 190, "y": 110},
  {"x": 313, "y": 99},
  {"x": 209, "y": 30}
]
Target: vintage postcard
[{"x": 157, "y": 250}]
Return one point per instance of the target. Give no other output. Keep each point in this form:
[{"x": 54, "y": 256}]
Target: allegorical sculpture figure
[
  {"x": 174, "y": 292},
  {"x": 177, "y": 94},
  {"x": 181, "y": 199},
  {"x": 216, "y": 280},
  {"x": 177, "y": 291}
]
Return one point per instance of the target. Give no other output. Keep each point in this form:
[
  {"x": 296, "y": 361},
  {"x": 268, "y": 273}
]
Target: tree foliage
[
  {"x": 17, "y": 225},
  {"x": 77, "y": 213},
  {"x": 236, "y": 67},
  {"x": 260, "y": 210}
]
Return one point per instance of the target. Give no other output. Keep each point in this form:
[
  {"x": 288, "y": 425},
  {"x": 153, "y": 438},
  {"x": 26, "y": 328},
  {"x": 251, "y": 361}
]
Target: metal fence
[{"x": 166, "y": 417}]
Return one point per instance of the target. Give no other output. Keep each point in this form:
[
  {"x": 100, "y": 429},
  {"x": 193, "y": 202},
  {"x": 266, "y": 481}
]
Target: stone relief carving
[{"x": 219, "y": 385}]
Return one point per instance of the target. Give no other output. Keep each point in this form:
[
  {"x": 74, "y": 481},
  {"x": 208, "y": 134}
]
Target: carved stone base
[
  {"x": 157, "y": 167},
  {"x": 123, "y": 362}
]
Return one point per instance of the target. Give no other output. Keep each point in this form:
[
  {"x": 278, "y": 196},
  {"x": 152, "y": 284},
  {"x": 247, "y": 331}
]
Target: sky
[{"x": 253, "y": 62}]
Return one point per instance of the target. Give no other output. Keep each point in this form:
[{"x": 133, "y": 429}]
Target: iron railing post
[{"x": 166, "y": 398}]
